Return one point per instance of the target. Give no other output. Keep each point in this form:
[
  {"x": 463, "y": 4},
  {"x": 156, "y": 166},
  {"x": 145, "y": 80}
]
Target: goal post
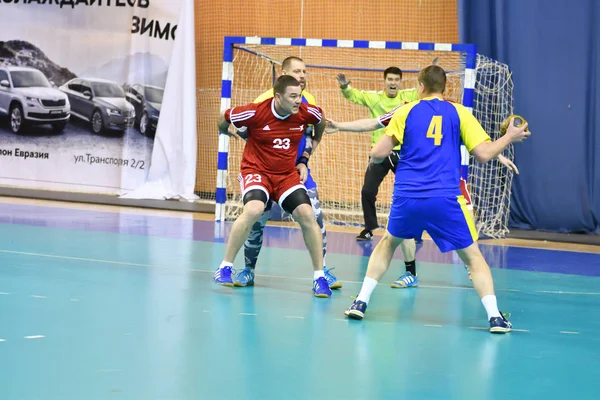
[{"x": 250, "y": 65}]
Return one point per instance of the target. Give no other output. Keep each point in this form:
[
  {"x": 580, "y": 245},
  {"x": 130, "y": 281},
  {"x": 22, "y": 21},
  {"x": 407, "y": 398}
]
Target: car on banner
[
  {"x": 28, "y": 98},
  {"x": 147, "y": 101},
  {"x": 100, "y": 102}
]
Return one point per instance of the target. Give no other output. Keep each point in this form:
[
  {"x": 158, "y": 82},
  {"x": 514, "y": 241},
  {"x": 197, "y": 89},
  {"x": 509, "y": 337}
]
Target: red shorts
[
  {"x": 465, "y": 193},
  {"x": 276, "y": 187}
]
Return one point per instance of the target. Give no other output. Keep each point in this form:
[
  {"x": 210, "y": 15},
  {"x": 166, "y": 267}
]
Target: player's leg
[
  {"x": 467, "y": 195},
  {"x": 408, "y": 247},
  {"x": 402, "y": 222},
  {"x": 313, "y": 195},
  {"x": 481, "y": 275},
  {"x": 374, "y": 175},
  {"x": 252, "y": 247},
  {"x": 295, "y": 200},
  {"x": 452, "y": 228},
  {"x": 254, "y": 205},
  {"x": 409, "y": 278}
]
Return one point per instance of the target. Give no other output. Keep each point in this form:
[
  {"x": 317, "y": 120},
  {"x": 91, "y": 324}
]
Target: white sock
[
  {"x": 318, "y": 274},
  {"x": 368, "y": 286},
  {"x": 491, "y": 306},
  {"x": 225, "y": 264}
]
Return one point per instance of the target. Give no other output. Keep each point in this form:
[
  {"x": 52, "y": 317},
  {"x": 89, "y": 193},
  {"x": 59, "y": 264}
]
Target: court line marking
[
  {"x": 293, "y": 317},
  {"x": 2, "y": 340},
  {"x": 259, "y": 275},
  {"x": 250, "y": 314},
  {"x": 5, "y": 294},
  {"x": 37, "y": 296},
  {"x": 570, "y": 333},
  {"x": 434, "y": 326},
  {"x": 74, "y": 300},
  {"x": 519, "y": 330},
  {"x": 563, "y": 292},
  {"x": 35, "y": 337}
]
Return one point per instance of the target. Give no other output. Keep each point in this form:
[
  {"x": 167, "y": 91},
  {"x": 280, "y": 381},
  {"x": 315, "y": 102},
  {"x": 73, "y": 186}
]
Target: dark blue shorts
[{"x": 446, "y": 219}]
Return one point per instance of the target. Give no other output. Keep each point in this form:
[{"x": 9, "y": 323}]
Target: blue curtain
[{"x": 553, "y": 50}]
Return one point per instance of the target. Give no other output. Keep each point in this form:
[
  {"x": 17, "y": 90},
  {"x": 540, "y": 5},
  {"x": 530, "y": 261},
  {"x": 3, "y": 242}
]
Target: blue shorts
[
  {"x": 446, "y": 219},
  {"x": 310, "y": 182}
]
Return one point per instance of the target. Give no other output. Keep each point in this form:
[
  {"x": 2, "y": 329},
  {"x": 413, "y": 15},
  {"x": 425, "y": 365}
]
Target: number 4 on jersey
[{"x": 435, "y": 130}]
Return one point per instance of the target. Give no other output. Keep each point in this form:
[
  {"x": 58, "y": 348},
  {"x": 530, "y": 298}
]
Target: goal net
[{"x": 339, "y": 164}]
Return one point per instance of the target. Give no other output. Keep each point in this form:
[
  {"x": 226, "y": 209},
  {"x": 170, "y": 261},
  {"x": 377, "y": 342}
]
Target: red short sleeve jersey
[{"x": 273, "y": 139}]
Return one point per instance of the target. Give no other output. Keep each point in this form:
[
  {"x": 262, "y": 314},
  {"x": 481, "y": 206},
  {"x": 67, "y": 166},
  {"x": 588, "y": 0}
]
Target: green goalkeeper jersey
[{"x": 379, "y": 104}]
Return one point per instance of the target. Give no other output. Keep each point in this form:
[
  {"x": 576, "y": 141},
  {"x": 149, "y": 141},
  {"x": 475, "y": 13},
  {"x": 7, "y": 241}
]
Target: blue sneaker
[
  {"x": 332, "y": 281},
  {"x": 321, "y": 287},
  {"x": 405, "y": 281},
  {"x": 244, "y": 278},
  {"x": 357, "y": 310},
  {"x": 222, "y": 276},
  {"x": 500, "y": 324}
]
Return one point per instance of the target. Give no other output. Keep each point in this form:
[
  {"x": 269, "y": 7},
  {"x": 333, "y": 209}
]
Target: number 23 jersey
[{"x": 273, "y": 139}]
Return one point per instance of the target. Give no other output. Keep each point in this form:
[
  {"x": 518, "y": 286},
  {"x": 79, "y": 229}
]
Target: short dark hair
[
  {"x": 283, "y": 82},
  {"x": 392, "y": 70},
  {"x": 433, "y": 78},
  {"x": 286, "y": 63}
]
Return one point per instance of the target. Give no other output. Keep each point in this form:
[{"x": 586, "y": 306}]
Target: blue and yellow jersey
[
  {"x": 306, "y": 98},
  {"x": 430, "y": 132}
]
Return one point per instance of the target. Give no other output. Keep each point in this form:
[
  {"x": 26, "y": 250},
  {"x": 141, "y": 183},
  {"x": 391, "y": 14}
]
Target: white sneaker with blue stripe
[{"x": 407, "y": 280}]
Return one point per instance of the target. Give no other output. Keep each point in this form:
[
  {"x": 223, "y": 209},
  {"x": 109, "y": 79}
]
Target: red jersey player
[{"x": 268, "y": 171}]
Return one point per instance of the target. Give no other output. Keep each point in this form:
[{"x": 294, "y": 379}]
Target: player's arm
[
  {"x": 383, "y": 148},
  {"x": 319, "y": 129},
  {"x": 225, "y": 126},
  {"x": 479, "y": 143},
  {"x": 354, "y": 95},
  {"x": 222, "y": 123},
  {"x": 316, "y": 119},
  {"x": 394, "y": 134},
  {"x": 238, "y": 117},
  {"x": 359, "y": 125},
  {"x": 508, "y": 164}
]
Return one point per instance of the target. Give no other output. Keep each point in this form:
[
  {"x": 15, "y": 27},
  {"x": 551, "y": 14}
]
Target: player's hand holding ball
[{"x": 516, "y": 127}]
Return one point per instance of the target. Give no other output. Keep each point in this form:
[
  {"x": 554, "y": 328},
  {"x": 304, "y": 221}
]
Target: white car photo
[{"x": 28, "y": 98}]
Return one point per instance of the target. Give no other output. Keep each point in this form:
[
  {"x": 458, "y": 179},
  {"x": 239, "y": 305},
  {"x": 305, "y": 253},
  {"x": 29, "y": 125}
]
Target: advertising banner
[{"x": 81, "y": 91}]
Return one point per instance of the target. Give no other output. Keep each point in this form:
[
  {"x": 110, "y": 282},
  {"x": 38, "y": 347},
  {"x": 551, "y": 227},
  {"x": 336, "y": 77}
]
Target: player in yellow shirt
[
  {"x": 295, "y": 67},
  {"x": 426, "y": 187}
]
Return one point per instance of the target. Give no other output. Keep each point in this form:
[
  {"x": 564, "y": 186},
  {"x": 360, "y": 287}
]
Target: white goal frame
[{"x": 470, "y": 51}]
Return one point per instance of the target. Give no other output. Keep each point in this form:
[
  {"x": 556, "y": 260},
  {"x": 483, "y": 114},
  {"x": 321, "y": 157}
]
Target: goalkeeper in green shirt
[{"x": 379, "y": 103}]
